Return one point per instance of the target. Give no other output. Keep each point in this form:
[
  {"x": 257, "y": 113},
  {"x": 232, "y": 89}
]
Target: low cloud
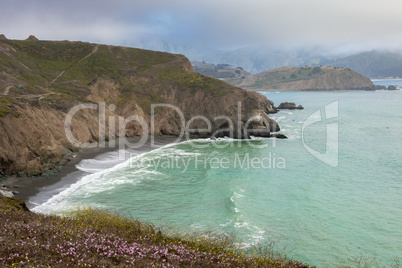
[{"x": 333, "y": 25}]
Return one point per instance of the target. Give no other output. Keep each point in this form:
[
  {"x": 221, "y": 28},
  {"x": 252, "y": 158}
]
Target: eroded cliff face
[{"x": 41, "y": 84}]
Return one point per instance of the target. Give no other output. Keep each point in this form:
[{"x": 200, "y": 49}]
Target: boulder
[{"x": 392, "y": 87}]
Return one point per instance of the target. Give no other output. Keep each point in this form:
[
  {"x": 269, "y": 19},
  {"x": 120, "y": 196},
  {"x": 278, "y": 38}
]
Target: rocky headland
[
  {"x": 308, "y": 78},
  {"x": 41, "y": 81}
]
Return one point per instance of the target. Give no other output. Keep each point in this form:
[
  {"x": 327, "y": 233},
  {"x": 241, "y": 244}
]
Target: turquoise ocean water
[{"x": 266, "y": 189}]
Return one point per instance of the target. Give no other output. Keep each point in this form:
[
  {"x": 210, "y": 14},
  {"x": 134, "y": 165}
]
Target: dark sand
[{"x": 31, "y": 186}]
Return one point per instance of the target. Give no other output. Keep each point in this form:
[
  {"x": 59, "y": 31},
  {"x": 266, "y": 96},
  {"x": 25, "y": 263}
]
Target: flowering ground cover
[{"x": 94, "y": 238}]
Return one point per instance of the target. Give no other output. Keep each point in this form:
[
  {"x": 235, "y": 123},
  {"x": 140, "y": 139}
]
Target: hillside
[
  {"x": 94, "y": 238},
  {"x": 373, "y": 64},
  {"x": 305, "y": 78},
  {"x": 40, "y": 81},
  {"x": 220, "y": 71}
]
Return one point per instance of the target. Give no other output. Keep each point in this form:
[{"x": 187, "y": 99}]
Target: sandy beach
[{"x": 28, "y": 187}]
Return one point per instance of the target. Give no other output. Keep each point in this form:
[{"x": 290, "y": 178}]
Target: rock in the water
[
  {"x": 15, "y": 193},
  {"x": 279, "y": 136},
  {"x": 289, "y": 106},
  {"x": 378, "y": 87},
  {"x": 392, "y": 87}
]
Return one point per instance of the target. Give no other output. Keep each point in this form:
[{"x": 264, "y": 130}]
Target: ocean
[{"x": 331, "y": 191}]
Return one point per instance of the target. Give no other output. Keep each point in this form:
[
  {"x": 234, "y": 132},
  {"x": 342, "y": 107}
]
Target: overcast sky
[{"x": 336, "y": 25}]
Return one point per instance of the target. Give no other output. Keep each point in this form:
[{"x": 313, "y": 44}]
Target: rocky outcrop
[
  {"x": 3, "y": 37},
  {"x": 32, "y": 38},
  {"x": 117, "y": 84},
  {"x": 390, "y": 87},
  {"x": 289, "y": 106},
  {"x": 379, "y": 87},
  {"x": 306, "y": 78},
  {"x": 6, "y": 193}
]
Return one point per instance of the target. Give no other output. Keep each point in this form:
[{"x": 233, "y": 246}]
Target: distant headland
[{"x": 307, "y": 78}]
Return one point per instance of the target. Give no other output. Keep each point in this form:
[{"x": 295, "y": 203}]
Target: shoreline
[{"x": 30, "y": 187}]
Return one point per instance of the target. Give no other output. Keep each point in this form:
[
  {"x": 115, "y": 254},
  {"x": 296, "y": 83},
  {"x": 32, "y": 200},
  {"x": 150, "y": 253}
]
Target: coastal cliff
[
  {"x": 305, "y": 78},
  {"x": 41, "y": 81}
]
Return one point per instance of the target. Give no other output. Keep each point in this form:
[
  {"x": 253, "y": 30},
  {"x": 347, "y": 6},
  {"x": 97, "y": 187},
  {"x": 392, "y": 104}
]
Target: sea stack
[{"x": 289, "y": 106}]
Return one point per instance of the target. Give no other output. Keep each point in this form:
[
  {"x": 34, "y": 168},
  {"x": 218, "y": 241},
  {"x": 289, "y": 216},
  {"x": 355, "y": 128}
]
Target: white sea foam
[
  {"x": 237, "y": 195},
  {"x": 240, "y": 224},
  {"x": 226, "y": 224},
  {"x": 103, "y": 162},
  {"x": 93, "y": 182}
]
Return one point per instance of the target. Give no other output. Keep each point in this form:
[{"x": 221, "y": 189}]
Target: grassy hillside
[
  {"x": 94, "y": 238},
  {"x": 306, "y": 78},
  {"x": 69, "y": 68}
]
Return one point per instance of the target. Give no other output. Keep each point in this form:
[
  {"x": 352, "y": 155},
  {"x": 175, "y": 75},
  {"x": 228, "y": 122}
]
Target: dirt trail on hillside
[
  {"x": 7, "y": 90},
  {"x": 87, "y": 56},
  {"x": 90, "y": 54},
  {"x": 30, "y": 96}
]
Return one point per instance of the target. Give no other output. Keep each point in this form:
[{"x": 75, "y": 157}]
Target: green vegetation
[
  {"x": 93, "y": 238},
  {"x": 286, "y": 75},
  {"x": 68, "y": 69},
  {"x": 6, "y": 105},
  {"x": 316, "y": 70},
  {"x": 194, "y": 81}
]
